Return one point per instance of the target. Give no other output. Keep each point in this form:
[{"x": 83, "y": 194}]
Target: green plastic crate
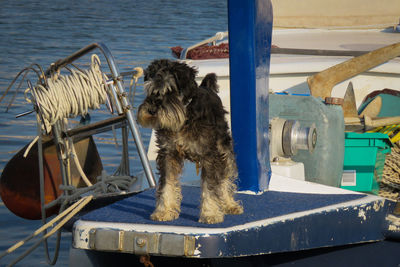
[{"x": 364, "y": 160}]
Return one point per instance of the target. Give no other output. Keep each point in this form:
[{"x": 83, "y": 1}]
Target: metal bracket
[{"x": 141, "y": 243}]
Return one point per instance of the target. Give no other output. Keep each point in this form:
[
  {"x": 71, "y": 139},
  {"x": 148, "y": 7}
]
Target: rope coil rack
[{"x": 57, "y": 98}]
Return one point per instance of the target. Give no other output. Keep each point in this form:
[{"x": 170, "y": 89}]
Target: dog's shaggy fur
[{"x": 190, "y": 124}]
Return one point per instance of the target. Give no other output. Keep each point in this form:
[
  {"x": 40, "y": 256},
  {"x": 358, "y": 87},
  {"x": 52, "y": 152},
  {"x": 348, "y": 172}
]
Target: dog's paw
[
  {"x": 234, "y": 209},
  {"x": 169, "y": 215},
  {"x": 212, "y": 219}
]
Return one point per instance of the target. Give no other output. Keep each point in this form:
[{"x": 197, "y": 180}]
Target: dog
[{"x": 189, "y": 122}]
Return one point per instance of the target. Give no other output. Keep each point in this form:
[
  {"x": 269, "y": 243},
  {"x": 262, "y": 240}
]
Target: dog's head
[{"x": 169, "y": 86}]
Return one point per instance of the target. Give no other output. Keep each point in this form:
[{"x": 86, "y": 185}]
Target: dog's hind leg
[
  {"x": 210, "y": 208},
  {"x": 226, "y": 196},
  {"x": 228, "y": 173},
  {"x": 227, "y": 188},
  {"x": 169, "y": 195}
]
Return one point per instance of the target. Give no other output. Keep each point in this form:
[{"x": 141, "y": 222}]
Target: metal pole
[
  {"x": 60, "y": 147},
  {"x": 129, "y": 115}
]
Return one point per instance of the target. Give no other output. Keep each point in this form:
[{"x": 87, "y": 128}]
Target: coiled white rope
[{"x": 68, "y": 96}]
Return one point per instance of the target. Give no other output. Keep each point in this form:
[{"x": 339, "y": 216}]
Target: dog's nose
[{"x": 152, "y": 111}]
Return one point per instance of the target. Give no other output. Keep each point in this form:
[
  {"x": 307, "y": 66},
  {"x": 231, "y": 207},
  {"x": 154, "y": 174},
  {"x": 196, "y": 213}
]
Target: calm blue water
[{"x": 136, "y": 32}]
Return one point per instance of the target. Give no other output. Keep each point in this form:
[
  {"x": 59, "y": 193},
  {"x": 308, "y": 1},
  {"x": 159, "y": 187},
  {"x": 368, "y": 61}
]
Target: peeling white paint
[
  {"x": 197, "y": 251},
  {"x": 394, "y": 228},
  {"x": 378, "y": 205},
  {"x": 394, "y": 223},
  {"x": 361, "y": 214},
  {"x": 393, "y": 219}
]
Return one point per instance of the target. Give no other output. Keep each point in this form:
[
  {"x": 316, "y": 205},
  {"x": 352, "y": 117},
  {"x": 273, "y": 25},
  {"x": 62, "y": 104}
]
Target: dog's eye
[
  {"x": 156, "y": 94},
  {"x": 154, "y": 101}
]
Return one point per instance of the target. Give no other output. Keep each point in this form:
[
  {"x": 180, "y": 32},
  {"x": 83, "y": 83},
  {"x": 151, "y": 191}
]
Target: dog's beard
[
  {"x": 173, "y": 115},
  {"x": 145, "y": 119},
  {"x": 170, "y": 114}
]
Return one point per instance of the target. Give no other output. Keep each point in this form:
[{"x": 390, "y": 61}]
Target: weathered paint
[{"x": 345, "y": 223}]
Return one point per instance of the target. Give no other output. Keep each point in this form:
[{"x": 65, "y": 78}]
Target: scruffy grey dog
[{"x": 190, "y": 124}]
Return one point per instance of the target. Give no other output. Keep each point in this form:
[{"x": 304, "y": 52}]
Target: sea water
[{"x": 136, "y": 32}]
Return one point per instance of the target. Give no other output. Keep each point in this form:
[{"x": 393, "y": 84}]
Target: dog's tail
[{"x": 210, "y": 82}]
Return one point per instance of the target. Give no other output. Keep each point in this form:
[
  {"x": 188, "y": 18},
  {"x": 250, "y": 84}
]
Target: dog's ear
[
  {"x": 185, "y": 79},
  {"x": 210, "y": 82}
]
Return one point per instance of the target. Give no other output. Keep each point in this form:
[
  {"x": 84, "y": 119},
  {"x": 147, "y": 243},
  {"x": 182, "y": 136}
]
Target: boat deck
[{"x": 294, "y": 221}]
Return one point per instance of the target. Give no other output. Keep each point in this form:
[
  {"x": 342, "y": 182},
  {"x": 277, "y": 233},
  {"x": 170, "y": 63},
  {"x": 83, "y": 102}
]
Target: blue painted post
[{"x": 250, "y": 32}]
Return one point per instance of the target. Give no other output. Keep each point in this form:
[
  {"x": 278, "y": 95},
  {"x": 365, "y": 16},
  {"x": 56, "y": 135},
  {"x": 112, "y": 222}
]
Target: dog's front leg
[{"x": 169, "y": 195}]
